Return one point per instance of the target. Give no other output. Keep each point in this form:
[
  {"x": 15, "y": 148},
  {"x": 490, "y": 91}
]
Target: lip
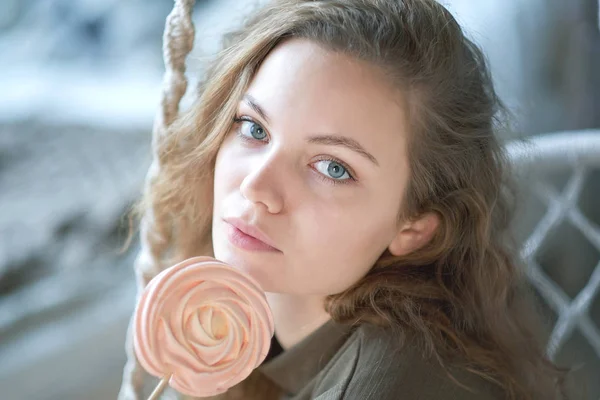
[{"x": 247, "y": 236}]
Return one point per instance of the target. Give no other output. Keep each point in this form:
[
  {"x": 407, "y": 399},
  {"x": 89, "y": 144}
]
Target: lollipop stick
[{"x": 164, "y": 382}]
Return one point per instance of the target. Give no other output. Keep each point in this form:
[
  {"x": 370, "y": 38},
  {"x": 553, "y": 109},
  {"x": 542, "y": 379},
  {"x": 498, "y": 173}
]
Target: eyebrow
[
  {"x": 327, "y": 140},
  {"x": 337, "y": 140},
  {"x": 251, "y": 101}
]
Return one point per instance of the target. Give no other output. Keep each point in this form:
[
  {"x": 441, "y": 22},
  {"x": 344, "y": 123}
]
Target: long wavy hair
[{"x": 463, "y": 293}]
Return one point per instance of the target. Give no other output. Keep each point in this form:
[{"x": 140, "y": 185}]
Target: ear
[{"x": 414, "y": 234}]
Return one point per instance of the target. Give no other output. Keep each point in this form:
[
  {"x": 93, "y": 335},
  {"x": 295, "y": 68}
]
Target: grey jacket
[{"x": 365, "y": 363}]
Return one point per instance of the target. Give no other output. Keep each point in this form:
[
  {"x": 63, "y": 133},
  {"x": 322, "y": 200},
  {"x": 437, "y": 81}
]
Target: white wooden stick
[{"x": 160, "y": 388}]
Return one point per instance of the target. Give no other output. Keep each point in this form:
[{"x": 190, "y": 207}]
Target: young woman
[{"x": 343, "y": 153}]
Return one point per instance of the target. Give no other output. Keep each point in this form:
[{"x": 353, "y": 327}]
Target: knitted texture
[{"x": 178, "y": 41}]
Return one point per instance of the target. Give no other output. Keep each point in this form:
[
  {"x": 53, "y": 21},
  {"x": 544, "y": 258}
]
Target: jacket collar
[{"x": 295, "y": 367}]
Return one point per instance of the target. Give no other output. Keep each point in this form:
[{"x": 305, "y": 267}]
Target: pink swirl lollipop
[{"x": 203, "y": 325}]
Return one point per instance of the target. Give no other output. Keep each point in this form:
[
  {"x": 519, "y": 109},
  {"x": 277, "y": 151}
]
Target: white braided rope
[
  {"x": 576, "y": 151},
  {"x": 178, "y": 41}
]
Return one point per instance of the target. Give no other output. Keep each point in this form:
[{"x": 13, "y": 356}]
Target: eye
[
  {"x": 333, "y": 169},
  {"x": 249, "y": 129},
  {"x": 330, "y": 170}
]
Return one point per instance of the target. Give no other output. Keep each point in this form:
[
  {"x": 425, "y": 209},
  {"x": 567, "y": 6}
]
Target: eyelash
[{"x": 240, "y": 119}]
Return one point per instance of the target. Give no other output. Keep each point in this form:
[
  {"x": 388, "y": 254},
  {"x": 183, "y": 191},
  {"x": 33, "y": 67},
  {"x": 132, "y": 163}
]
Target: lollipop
[{"x": 202, "y": 326}]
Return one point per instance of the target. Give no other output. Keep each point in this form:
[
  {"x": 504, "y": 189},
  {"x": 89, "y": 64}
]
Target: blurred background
[{"x": 80, "y": 83}]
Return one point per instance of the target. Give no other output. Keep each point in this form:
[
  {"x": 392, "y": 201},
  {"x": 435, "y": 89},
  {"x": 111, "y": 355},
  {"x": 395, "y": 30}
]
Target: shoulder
[{"x": 375, "y": 364}]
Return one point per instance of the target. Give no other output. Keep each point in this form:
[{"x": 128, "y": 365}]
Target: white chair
[{"x": 575, "y": 152}]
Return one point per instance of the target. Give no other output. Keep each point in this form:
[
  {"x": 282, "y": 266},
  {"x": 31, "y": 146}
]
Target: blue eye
[
  {"x": 333, "y": 169},
  {"x": 330, "y": 170},
  {"x": 250, "y": 130}
]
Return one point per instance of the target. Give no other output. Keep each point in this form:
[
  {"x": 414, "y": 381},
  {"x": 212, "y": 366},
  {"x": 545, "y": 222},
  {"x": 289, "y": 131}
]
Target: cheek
[
  {"x": 344, "y": 246},
  {"x": 223, "y": 176},
  {"x": 225, "y": 170}
]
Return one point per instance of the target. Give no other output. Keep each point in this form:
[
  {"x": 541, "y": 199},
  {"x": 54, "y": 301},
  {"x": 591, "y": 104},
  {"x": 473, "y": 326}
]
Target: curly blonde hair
[{"x": 462, "y": 294}]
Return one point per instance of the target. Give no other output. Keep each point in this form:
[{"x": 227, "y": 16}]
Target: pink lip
[{"x": 247, "y": 236}]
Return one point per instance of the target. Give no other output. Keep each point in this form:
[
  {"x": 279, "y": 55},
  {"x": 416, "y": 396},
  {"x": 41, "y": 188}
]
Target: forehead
[{"x": 308, "y": 89}]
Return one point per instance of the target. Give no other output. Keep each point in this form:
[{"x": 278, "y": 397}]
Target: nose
[{"x": 264, "y": 183}]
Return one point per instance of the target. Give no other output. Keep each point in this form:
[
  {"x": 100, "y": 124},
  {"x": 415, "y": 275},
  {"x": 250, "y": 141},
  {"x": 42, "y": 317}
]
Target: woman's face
[{"x": 317, "y": 163}]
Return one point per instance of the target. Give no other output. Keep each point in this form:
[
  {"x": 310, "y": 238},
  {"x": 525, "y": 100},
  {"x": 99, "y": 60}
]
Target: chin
[
  {"x": 259, "y": 270},
  {"x": 260, "y": 274}
]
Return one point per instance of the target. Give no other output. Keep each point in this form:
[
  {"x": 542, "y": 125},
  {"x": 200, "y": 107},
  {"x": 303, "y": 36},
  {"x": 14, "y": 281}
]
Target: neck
[{"x": 296, "y": 316}]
